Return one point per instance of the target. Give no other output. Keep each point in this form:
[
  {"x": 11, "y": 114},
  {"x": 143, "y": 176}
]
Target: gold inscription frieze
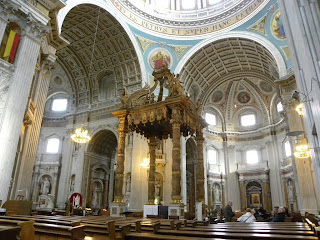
[{"x": 229, "y": 19}]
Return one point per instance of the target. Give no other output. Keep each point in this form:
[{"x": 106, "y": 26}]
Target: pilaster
[{"x": 12, "y": 118}]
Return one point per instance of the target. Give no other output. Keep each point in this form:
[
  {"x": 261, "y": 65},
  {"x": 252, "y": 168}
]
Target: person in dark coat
[
  {"x": 228, "y": 214},
  {"x": 281, "y": 215}
]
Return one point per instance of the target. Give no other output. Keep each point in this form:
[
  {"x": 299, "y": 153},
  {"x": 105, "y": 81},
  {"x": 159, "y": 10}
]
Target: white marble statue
[
  {"x": 45, "y": 186},
  {"x": 216, "y": 193},
  {"x": 76, "y": 201},
  {"x": 290, "y": 190}
]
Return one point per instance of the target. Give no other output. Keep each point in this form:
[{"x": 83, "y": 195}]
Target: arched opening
[
  {"x": 100, "y": 158},
  {"x": 191, "y": 156}
]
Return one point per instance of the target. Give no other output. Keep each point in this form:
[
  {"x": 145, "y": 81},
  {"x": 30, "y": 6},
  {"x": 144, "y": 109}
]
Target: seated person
[
  {"x": 281, "y": 215},
  {"x": 273, "y": 214},
  {"x": 247, "y": 217},
  {"x": 262, "y": 213}
]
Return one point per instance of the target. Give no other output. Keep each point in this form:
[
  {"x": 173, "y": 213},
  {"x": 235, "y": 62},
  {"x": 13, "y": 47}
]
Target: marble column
[
  {"x": 105, "y": 193},
  {"x": 26, "y": 159},
  {"x": 275, "y": 180},
  {"x": 111, "y": 181},
  {"x": 301, "y": 21},
  {"x": 122, "y": 130},
  {"x": 284, "y": 183},
  {"x": 15, "y": 106},
  {"x": 176, "y": 157},
  {"x": 152, "y": 170},
  {"x": 200, "y": 167},
  {"x": 183, "y": 171},
  {"x": 65, "y": 171}
]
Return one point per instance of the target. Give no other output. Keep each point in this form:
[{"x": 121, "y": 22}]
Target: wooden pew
[
  {"x": 261, "y": 230},
  {"x": 41, "y": 220},
  {"x": 250, "y": 234},
  {"x": 9, "y": 232},
  {"x": 51, "y": 231},
  {"x": 127, "y": 235}
]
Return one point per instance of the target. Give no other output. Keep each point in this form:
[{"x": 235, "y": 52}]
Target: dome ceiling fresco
[
  {"x": 113, "y": 51},
  {"x": 170, "y": 17}
]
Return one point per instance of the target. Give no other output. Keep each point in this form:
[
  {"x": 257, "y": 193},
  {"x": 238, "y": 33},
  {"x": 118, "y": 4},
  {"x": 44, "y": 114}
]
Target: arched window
[
  {"x": 252, "y": 156},
  {"x": 53, "y": 145},
  {"x": 59, "y": 105},
  {"x": 211, "y": 119},
  {"x": 188, "y": 5},
  {"x": 212, "y": 156},
  {"x": 279, "y": 107},
  {"x": 287, "y": 149},
  {"x": 248, "y": 120},
  {"x": 212, "y": 2},
  {"x": 10, "y": 42}
]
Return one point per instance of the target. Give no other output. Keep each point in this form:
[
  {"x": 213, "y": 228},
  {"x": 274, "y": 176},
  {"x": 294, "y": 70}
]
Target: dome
[{"x": 189, "y": 18}]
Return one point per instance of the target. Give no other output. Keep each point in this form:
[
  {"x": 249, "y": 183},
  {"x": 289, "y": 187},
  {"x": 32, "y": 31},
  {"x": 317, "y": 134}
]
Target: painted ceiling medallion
[
  {"x": 266, "y": 87},
  {"x": 217, "y": 96},
  {"x": 243, "y": 97},
  {"x": 160, "y": 58}
]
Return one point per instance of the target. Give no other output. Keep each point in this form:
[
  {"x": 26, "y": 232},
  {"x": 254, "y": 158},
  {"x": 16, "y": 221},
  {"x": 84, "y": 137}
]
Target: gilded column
[
  {"x": 152, "y": 170},
  {"x": 243, "y": 196},
  {"x": 267, "y": 196},
  {"x": 122, "y": 130},
  {"x": 176, "y": 157},
  {"x": 200, "y": 168}
]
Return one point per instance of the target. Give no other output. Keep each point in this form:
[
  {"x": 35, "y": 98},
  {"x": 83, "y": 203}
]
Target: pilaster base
[
  {"x": 117, "y": 208},
  {"x": 176, "y": 210},
  {"x": 200, "y": 211}
]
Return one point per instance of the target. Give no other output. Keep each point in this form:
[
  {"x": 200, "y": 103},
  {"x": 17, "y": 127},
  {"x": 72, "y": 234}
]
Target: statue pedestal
[
  {"x": 117, "y": 208},
  {"x": 45, "y": 202},
  {"x": 176, "y": 210}
]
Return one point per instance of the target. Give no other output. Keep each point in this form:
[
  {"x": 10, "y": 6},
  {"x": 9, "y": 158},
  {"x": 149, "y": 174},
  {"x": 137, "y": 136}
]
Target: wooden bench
[
  {"x": 241, "y": 230},
  {"x": 9, "y": 232},
  {"x": 51, "y": 231},
  {"x": 41, "y": 220},
  {"x": 226, "y": 233}
]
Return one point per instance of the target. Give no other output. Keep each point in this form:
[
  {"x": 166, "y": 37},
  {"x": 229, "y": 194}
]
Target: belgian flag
[{"x": 12, "y": 45}]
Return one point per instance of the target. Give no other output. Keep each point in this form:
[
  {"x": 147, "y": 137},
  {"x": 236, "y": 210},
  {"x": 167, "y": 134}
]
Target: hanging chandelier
[
  {"x": 299, "y": 109},
  {"x": 302, "y": 151},
  {"x": 81, "y": 135}
]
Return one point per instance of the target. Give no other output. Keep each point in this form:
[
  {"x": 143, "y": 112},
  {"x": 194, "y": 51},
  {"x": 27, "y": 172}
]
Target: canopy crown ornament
[{"x": 151, "y": 115}]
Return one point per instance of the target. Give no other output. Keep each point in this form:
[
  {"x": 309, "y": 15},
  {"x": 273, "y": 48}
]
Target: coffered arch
[
  {"x": 233, "y": 74},
  {"x": 114, "y": 52}
]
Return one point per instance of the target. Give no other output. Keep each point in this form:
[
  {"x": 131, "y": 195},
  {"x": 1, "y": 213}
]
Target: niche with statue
[{"x": 46, "y": 196}]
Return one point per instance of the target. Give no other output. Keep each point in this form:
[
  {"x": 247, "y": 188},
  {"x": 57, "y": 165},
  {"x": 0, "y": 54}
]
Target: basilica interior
[{"x": 186, "y": 104}]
